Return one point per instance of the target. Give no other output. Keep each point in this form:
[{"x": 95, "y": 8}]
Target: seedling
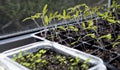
[
  {"x": 76, "y": 41},
  {"x": 46, "y": 58},
  {"x": 44, "y": 17},
  {"x": 108, "y": 36},
  {"x": 85, "y": 64},
  {"x": 118, "y": 38},
  {"x": 109, "y": 16},
  {"x": 115, "y": 43}
]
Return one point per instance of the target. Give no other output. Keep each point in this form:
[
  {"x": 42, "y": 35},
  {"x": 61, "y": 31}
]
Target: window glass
[{"x": 12, "y": 12}]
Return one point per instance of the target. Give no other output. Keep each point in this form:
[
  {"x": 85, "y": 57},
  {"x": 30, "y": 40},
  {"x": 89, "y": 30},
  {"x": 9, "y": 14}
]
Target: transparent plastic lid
[{"x": 12, "y": 12}]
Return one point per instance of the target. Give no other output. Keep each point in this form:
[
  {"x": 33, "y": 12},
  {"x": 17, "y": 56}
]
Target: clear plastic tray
[{"x": 98, "y": 63}]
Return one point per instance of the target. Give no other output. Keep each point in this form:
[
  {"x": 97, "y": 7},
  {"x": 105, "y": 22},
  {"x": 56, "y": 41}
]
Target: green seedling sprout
[
  {"x": 26, "y": 64},
  {"x": 36, "y": 16},
  {"x": 91, "y": 25},
  {"x": 61, "y": 59},
  {"x": 114, "y": 7},
  {"x": 42, "y": 51},
  {"x": 115, "y": 43},
  {"x": 76, "y": 41},
  {"x": 83, "y": 25},
  {"x": 118, "y": 37},
  {"x": 73, "y": 28},
  {"x": 90, "y": 35},
  {"x": 20, "y": 54},
  {"x": 62, "y": 28},
  {"x": 85, "y": 64},
  {"x": 76, "y": 61},
  {"x": 63, "y": 16},
  {"x": 110, "y": 17},
  {"x": 108, "y": 36},
  {"x": 107, "y": 16},
  {"x": 45, "y": 19}
]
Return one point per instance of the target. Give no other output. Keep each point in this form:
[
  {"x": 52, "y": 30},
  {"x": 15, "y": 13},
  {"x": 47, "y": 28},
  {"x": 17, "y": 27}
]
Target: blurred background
[{"x": 12, "y": 12}]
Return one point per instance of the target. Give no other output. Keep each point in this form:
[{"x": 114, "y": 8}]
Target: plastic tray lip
[
  {"x": 99, "y": 62},
  {"x": 9, "y": 64}
]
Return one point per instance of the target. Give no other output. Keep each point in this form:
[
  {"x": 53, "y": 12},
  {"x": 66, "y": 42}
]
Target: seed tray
[
  {"x": 58, "y": 48},
  {"x": 94, "y": 45},
  {"x": 8, "y": 64}
]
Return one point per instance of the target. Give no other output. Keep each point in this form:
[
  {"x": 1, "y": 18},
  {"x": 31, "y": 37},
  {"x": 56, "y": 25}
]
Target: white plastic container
[
  {"x": 8, "y": 64},
  {"x": 97, "y": 62}
]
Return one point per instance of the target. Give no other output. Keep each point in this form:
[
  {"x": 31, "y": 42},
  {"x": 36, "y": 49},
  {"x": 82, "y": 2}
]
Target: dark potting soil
[
  {"x": 50, "y": 60},
  {"x": 85, "y": 48},
  {"x": 70, "y": 38},
  {"x": 116, "y": 63},
  {"x": 114, "y": 49},
  {"x": 107, "y": 56}
]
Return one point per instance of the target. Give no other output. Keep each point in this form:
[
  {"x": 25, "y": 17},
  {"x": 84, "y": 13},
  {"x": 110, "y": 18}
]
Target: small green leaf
[
  {"x": 38, "y": 55},
  {"x": 90, "y": 23},
  {"x": 46, "y": 20},
  {"x": 76, "y": 41},
  {"x": 77, "y": 59},
  {"x": 20, "y": 54},
  {"x": 118, "y": 38},
  {"x": 28, "y": 18},
  {"x": 26, "y": 64},
  {"x": 71, "y": 27},
  {"x": 108, "y": 36},
  {"x": 38, "y": 15},
  {"x": 38, "y": 60},
  {"x": 51, "y": 15},
  {"x": 76, "y": 29},
  {"x": 100, "y": 14},
  {"x": 76, "y": 14},
  {"x": 83, "y": 25},
  {"x": 59, "y": 17},
  {"x": 91, "y": 35},
  {"x": 73, "y": 43},
  {"x": 45, "y": 9},
  {"x": 91, "y": 28},
  {"x": 62, "y": 28},
  {"x": 111, "y": 20},
  {"x": 56, "y": 13},
  {"x": 71, "y": 8},
  {"x": 64, "y": 12},
  {"x": 116, "y": 43},
  {"x": 71, "y": 60},
  {"x": 87, "y": 61},
  {"x": 42, "y": 51},
  {"x": 118, "y": 21}
]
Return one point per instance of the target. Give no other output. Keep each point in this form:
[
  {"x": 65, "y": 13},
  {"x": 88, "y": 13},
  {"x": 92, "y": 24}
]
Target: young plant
[
  {"x": 85, "y": 64},
  {"x": 115, "y": 44},
  {"x": 109, "y": 16},
  {"x": 91, "y": 27},
  {"x": 74, "y": 62},
  {"x": 34, "y": 17},
  {"x": 90, "y": 35},
  {"x": 118, "y": 37},
  {"x": 72, "y": 28},
  {"x": 108, "y": 36},
  {"x": 64, "y": 16},
  {"x": 44, "y": 17},
  {"x": 117, "y": 41},
  {"x": 73, "y": 43},
  {"x": 61, "y": 59}
]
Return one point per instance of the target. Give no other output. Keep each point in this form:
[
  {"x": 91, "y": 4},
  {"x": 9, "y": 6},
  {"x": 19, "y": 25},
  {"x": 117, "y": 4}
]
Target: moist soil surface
[{"x": 50, "y": 60}]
